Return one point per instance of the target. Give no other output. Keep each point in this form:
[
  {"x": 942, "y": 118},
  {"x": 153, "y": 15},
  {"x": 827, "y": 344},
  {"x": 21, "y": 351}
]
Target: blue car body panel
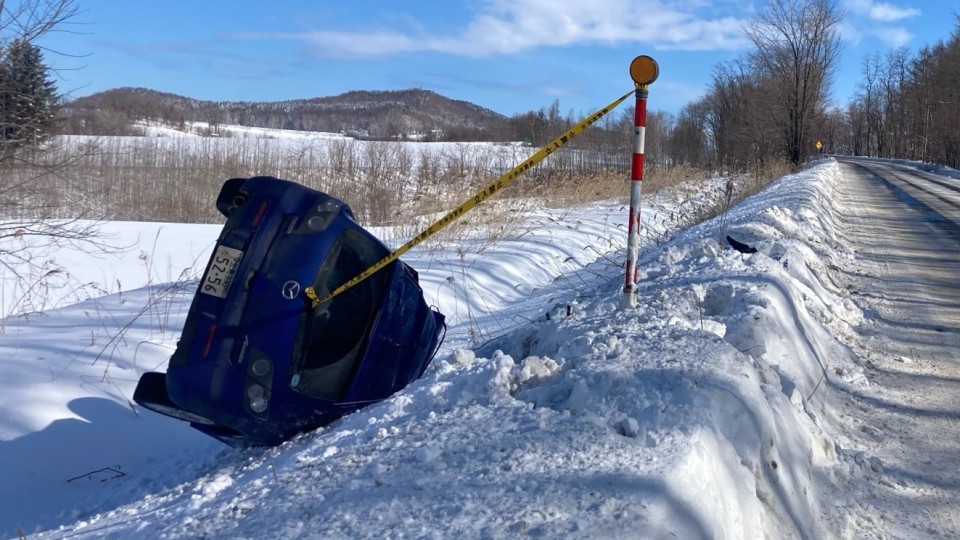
[{"x": 256, "y": 359}]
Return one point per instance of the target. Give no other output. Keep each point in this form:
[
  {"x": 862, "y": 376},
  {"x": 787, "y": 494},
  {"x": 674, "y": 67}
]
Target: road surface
[{"x": 905, "y": 225}]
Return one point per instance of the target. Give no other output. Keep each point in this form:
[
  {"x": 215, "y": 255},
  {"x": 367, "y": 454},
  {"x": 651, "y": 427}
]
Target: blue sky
[{"x": 508, "y": 55}]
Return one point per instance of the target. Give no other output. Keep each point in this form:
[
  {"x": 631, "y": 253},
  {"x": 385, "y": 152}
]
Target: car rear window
[{"x": 332, "y": 337}]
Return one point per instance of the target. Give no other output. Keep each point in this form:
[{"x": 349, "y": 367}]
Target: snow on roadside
[
  {"x": 71, "y": 371},
  {"x": 707, "y": 411},
  {"x": 120, "y": 256}
]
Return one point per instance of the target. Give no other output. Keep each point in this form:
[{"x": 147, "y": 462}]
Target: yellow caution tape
[{"x": 468, "y": 205}]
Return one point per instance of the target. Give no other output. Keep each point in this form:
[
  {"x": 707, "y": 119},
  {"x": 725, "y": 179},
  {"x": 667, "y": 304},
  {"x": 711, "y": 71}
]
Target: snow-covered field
[
  {"x": 255, "y": 144},
  {"x": 708, "y": 411}
]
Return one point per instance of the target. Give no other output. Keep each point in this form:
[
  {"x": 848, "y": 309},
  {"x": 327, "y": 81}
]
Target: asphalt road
[{"x": 904, "y": 227}]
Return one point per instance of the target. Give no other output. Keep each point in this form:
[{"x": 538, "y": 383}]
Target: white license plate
[{"x": 222, "y": 270}]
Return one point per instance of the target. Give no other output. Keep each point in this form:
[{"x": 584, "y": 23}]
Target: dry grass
[{"x": 391, "y": 184}]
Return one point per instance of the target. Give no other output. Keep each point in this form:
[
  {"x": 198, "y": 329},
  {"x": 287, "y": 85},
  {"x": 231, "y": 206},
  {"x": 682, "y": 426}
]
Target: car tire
[{"x": 151, "y": 393}]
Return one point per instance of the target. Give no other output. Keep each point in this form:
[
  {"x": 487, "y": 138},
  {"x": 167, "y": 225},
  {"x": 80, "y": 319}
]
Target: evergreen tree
[{"x": 28, "y": 96}]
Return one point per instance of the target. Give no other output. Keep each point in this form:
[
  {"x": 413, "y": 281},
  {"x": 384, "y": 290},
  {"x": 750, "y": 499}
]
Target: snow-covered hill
[
  {"x": 708, "y": 411},
  {"x": 371, "y": 113}
]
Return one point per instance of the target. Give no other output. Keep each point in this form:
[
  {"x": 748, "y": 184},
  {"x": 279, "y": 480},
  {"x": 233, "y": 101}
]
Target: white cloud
[
  {"x": 509, "y": 26},
  {"x": 873, "y": 22},
  {"x": 353, "y": 45},
  {"x": 892, "y": 36},
  {"x": 881, "y": 11},
  {"x": 850, "y": 33}
]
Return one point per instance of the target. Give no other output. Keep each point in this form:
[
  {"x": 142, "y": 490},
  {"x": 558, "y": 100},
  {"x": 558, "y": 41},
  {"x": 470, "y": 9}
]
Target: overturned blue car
[{"x": 258, "y": 361}]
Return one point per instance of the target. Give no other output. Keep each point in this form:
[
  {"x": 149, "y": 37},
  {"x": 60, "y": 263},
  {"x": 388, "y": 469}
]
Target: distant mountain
[{"x": 377, "y": 114}]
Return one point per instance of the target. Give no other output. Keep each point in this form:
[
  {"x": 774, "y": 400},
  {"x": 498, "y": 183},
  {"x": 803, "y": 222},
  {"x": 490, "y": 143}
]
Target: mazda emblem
[{"x": 290, "y": 290}]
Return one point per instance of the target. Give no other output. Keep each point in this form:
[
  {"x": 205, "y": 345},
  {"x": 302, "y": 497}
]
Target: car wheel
[{"x": 151, "y": 393}]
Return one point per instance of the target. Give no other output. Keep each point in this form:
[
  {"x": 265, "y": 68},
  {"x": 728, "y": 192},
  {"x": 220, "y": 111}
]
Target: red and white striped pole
[{"x": 643, "y": 71}]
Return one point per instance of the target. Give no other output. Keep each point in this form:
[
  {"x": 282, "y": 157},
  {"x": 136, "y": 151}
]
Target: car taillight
[
  {"x": 259, "y": 383},
  {"x": 260, "y": 367},
  {"x": 324, "y": 211},
  {"x": 260, "y": 212},
  {"x": 206, "y": 347},
  {"x": 257, "y": 398}
]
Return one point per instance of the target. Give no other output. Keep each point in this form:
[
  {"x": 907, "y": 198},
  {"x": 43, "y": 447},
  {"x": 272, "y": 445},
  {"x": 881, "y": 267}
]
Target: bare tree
[
  {"x": 909, "y": 108},
  {"x": 689, "y": 137},
  {"x": 797, "y": 48},
  {"x": 29, "y": 20},
  {"x": 738, "y": 113},
  {"x": 29, "y": 169},
  {"x": 895, "y": 75}
]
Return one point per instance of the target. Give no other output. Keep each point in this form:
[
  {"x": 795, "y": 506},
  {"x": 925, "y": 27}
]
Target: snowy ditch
[{"x": 708, "y": 411}]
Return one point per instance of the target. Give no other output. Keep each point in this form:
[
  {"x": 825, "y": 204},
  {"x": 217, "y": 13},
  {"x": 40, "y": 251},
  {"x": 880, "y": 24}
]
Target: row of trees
[
  {"x": 768, "y": 104},
  {"x": 907, "y": 107},
  {"x": 774, "y": 102}
]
